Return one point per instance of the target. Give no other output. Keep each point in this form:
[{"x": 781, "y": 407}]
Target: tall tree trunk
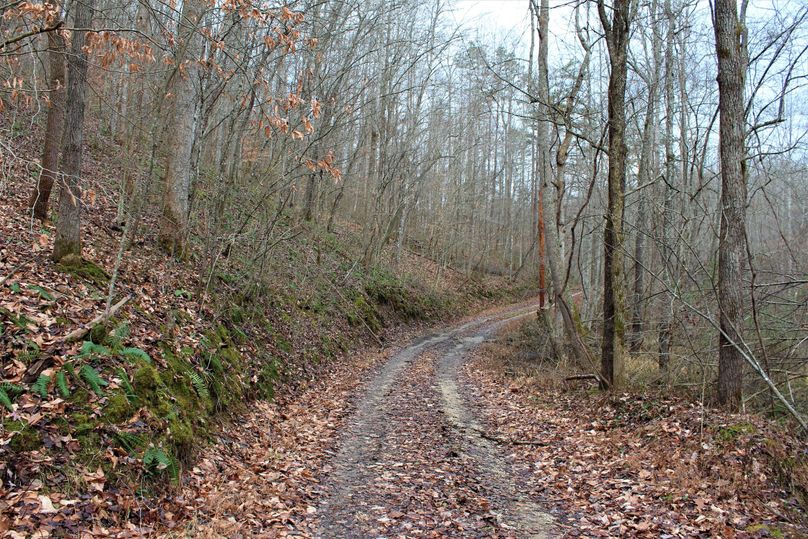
[
  {"x": 732, "y": 238},
  {"x": 613, "y": 345},
  {"x": 549, "y": 199},
  {"x": 181, "y": 132},
  {"x": 668, "y": 249},
  {"x": 132, "y": 124},
  {"x": 645, "y": 174},
  {"x": 68, "y": 232},
  {"x": 53, "y": 129}
]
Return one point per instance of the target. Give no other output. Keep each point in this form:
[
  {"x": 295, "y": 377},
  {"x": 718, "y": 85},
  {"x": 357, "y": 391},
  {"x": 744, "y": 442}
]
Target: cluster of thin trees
[{"x": 647, "y": 158}]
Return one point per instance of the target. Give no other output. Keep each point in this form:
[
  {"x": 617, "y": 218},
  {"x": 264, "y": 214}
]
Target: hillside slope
[{"x": 104, "y": 414}]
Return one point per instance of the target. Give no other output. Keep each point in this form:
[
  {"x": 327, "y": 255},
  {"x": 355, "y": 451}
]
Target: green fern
[
  {"x": 68, "y": 367},
  {"x": 93, "y": 379},
  {"x": 128, "y": 440},
  {"x": 214, "y": 364},
  {"x": 122, "y": 331},
  {"x": 61, "y": 384},
  {"x": 155, "y": 460},
  {"x": 12, "y": 390},
  {"x": 136, "y": 354},
  {"x": 44, "y": 294},
  {"x": 5, "y": 400},
  {"x": 89, "y": 348},
  {"x": 126, "y": 385},
  {"x": 40, "y": 387},
  {"x": 199, "y": 385},
  {"x": 118, "y": 335}
]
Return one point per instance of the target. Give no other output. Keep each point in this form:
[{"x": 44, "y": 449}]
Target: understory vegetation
[
  {"x": 207, "y": 207},
  {"x": 643, "y": 461},
  {"x": 129, "y": 400}
]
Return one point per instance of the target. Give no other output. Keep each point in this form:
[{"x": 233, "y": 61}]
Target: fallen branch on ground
[{"x": 86, "y": 328}]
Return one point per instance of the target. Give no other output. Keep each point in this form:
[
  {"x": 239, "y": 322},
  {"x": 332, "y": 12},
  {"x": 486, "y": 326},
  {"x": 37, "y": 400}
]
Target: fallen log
[{"x": 77, "y": 334}]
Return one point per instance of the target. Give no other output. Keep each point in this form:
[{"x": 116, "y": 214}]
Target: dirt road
[{"x": 414, "y": 461}]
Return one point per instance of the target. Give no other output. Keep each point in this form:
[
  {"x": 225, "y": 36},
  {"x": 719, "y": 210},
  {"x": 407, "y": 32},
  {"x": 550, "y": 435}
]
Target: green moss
[
  {"x": 327, "y": 346},
  {"x": 100, "y": 334},
  {"x": 147, "y": 382},
  {"x": 763, "y": 530},
  {"x": 268, "y": 377},
  {"x": 118, "y": 409},
  {"x": 732, "y": 432},
  {"x": 91, "y": 450},
  {"x": 181, "y": 436},
  {"x": 81, "y": 423},
  {"x": 84, "y": 269},
  {"x": 283, "y": 345},
  {"x": 26, "y": 438},
  {"x": 364, "y": 312}
]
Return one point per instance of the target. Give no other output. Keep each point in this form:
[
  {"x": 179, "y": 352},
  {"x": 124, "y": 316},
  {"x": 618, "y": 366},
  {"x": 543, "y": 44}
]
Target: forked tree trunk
[
  {"x": 53, "y": 129},
  {"x": 732, "y": 238},
  {"x": 68, "y": 232}
]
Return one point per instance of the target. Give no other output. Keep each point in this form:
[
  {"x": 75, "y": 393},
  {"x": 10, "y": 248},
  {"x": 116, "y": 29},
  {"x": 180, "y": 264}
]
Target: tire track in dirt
[{"x": 412, "y": 459}]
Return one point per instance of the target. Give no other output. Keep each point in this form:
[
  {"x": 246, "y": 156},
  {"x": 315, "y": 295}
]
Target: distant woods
[{"x": 660, "y": 143}]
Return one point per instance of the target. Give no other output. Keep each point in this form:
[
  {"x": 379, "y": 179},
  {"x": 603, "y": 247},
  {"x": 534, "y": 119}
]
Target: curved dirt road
[{"x": 413, "y": 461}]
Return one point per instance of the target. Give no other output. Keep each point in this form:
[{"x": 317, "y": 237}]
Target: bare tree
[
  {"x": 732, "y": 239},
  {"x": 617, "y": 29},
  {"x": 54, "y": 127},
  {"x": 68, "y": 232}
]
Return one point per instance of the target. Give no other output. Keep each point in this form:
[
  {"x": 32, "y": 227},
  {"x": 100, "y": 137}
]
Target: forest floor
[
  {"x": 445, "y": 436},
  {"x": 449, "y": 433}
]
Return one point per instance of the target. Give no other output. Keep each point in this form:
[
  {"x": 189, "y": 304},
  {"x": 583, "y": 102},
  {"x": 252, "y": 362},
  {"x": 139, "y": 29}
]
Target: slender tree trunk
[
  {"x": 732, "y": 238},
  {"x": 613, "y": 345},
  {"x": 668, "y": 249},
  {"x": 131, "y": 126},
  {"x": 181, "y": 133},
  {"x": 645, "y": 174},
  {"x": 53, "y": 129},
  {"x": 68, "y": 232}
]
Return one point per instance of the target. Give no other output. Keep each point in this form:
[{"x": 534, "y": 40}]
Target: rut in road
[{"x": 413, "y": 460}]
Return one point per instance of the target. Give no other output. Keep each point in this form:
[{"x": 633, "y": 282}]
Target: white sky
[
  {"x": 509, "y": 20},
  {"x": 503, "y": 15}
]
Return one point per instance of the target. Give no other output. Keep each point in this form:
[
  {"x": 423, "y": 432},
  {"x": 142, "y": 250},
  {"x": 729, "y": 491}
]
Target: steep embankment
[{"x": 98, "y": 418}]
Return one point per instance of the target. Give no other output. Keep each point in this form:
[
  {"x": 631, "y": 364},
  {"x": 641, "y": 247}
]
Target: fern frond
[
  {"x": 12, "y": 390},
  {"x": 136, "y": 354},
  {"x": 214, "y": 364},
  {"x": 5, "y": 400},
  {"x": 122, "y": 331},
  {"x": 156, "y": 460},
  {"x": 61, "y": 384},
  {"x": 44, "y": 294},
  {"x": 128, "y": 440},
  {"x": 117, "y": 336},
  {"x": 199, "y": 385},
  {"x": 89, "y": 348},
  {"x": 40, "y": 387},
  {"x": 93, "y": 379},
  {"x": 126, "y": 385},
  {"x": 68, "y": 367}
]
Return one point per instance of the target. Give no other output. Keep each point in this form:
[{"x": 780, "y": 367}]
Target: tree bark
[
  {"x": 732, "y": 238},
  {"x": 181, "y": 133},
  {"x": 613, "y": 345},
  {"x": 68, "y": 232},
  {"x": 53, "y": 128}
]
